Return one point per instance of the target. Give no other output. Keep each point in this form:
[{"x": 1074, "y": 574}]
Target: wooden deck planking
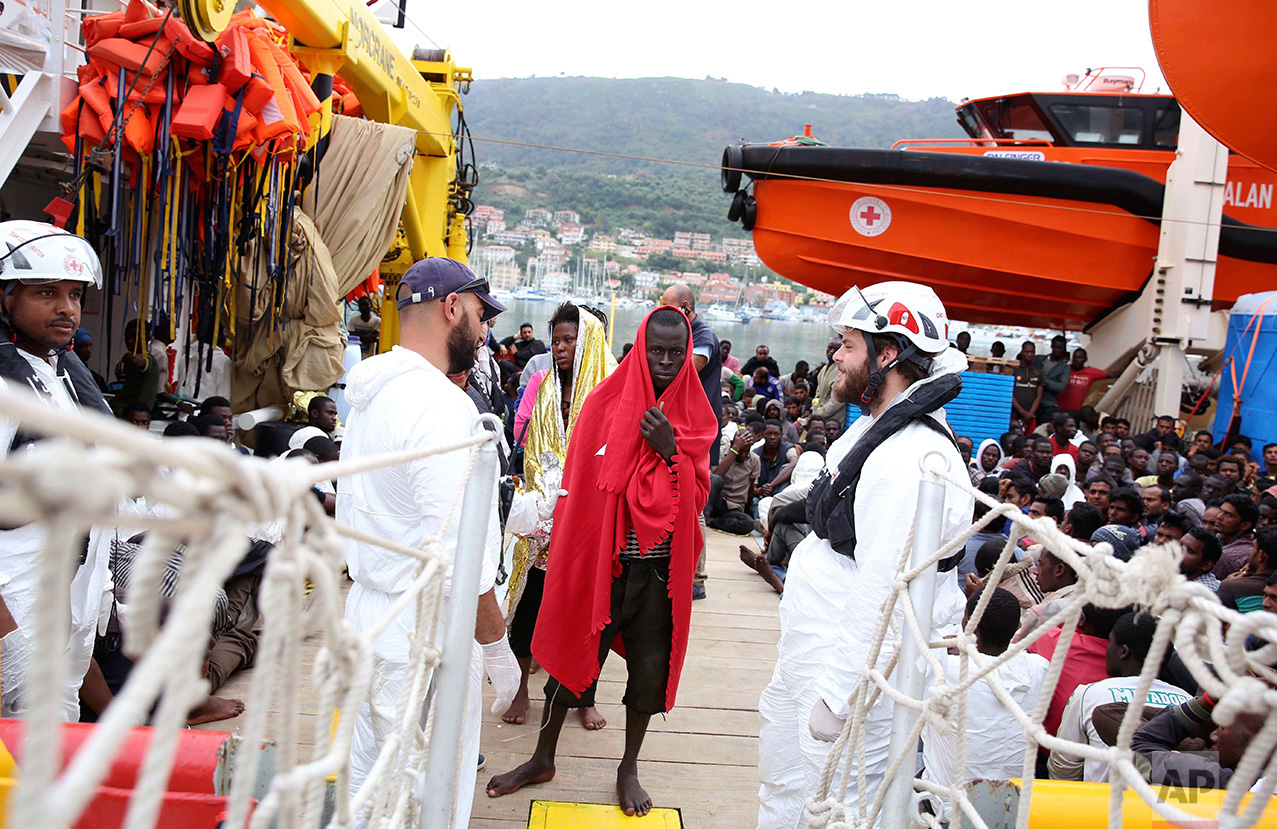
[{"x": 701, "y": 758}]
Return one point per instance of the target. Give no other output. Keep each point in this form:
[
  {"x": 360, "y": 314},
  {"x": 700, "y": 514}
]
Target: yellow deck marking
[{"x": 553, "y": 814}]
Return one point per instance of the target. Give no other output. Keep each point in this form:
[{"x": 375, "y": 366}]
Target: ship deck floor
[{"x": 701, "y": 758}]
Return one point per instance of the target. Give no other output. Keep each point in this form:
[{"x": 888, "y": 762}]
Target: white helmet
[
  {"x": 909, "y": 313},
  {"x": 36, "y": 252},
  {"x": 908, "y": 309}
]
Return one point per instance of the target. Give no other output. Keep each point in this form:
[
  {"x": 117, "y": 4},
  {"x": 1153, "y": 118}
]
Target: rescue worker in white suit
[
  {"x": 44, "y": 275},
  {"x": 403, "y": 399},
  {"x": 895, "y": 363}
]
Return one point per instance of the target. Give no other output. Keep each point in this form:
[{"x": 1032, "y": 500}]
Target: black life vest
[
  {"x": 831, "y": 502},
  {"x": 17, "y": 371}
]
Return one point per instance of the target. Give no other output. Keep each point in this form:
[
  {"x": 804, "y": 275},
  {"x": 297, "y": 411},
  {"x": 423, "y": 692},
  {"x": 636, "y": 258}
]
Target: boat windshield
[
  {"x": 1017, "y": 119},
  {"x": 1099, "y": 123},
  {"x": 1076, "y": 119}
]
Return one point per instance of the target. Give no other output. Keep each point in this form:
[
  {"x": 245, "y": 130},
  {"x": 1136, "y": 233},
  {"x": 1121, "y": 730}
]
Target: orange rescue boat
[{"x": 1046, "y": 216}]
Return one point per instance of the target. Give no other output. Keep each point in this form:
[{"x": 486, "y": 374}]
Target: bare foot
[
  {"x": 592, "y": 719},
  {"x": 758, "y": 562},
  {"x": 634, "y": 799},
  {"x": 518, "y": 710},
  {"x": 530, "y": 772},
  {"x": 214, "y": 709},
  {"x": 535, "y": 668}
]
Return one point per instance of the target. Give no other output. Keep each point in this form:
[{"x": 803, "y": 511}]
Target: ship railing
[{"x": 906, "y": 143}]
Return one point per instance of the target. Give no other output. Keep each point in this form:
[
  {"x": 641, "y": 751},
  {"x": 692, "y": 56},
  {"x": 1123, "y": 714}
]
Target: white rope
[
  {"x": 213, "y": 498},
  {"x": 1190, "y": 618}
]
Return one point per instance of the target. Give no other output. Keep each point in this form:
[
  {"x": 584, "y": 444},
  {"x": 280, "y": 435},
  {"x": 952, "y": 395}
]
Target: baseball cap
[{"x": 436, "y": 277}]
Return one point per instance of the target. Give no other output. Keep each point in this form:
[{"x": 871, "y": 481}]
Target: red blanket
[{"x": 615, "y": 482}]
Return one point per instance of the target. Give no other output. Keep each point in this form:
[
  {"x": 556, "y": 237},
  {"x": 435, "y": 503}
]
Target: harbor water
[{"x": 789, "y": 341}]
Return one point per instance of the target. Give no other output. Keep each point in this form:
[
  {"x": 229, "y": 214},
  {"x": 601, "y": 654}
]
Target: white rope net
[
  {"x": 215, "y": 498},
  {"x": 1190, "y": 617}
]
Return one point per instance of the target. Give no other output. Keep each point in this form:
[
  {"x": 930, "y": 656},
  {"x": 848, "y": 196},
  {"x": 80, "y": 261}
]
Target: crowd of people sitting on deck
[{"x": 1059, "y": 462}]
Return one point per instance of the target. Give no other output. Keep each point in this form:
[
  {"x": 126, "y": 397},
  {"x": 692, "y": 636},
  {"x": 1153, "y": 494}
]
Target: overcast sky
[{"x": 918, "y": 49}]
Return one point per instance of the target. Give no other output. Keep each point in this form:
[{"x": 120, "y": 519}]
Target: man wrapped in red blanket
[{"x": 624, "y": 551}]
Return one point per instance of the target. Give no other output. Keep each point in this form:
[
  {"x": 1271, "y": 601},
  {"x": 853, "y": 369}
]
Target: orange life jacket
[
  {"x": 237, "y": 63},
  {"x": 198, "y": 115}
]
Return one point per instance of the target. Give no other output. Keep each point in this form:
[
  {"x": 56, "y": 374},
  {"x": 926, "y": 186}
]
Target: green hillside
[
  {"x": 658, "y": 205},
  {"x": 676, "y": 119},
  {"x": 673, "y": 119}
]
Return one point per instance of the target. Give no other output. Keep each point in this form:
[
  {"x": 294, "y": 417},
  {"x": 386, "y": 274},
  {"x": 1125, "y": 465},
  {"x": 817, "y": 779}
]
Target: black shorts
[
  {"x": 525, "y": 613},
  {"x": 643, "y": 615}
]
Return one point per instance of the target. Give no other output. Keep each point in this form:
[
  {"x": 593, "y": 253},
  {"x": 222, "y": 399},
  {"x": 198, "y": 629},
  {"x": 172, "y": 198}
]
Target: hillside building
[
  {"x": 719, "y": 287},
  {"x": 556, "y": 282},
  {"x": 487, "y": 213},
  {"x": 565, "y": 217},
  {"x": 571, "y": 234},
  {"x": 515, "y": 238},
  {"x": 497, "y": 263},
  {"x": 538, "y": 216},
  {"x": 820, "y": 299},
  {"x": 765, "y": 292}
]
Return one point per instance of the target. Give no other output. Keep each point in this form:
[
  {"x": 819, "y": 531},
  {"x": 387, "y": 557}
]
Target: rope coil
[{"x": 1191, "y": 619}]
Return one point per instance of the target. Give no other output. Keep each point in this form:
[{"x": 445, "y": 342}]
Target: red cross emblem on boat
[{"x": 870, "y": 216}]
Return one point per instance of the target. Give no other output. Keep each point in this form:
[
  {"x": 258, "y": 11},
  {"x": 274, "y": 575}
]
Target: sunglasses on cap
[{"x": 477, "y": 285}]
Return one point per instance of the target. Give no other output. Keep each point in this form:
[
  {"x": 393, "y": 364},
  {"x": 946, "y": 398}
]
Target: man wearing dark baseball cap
[
  {"x": 437, "y": 278},
  {"x": 404, "y": 398}
]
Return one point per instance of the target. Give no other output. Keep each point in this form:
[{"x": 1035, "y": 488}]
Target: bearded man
[
  {"x": 402, "y": 400},
  {"x": 896, "y": 365}
]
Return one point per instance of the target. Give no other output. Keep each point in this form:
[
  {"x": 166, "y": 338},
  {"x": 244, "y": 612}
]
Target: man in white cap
[
  {"x": 402, "y": 399},
  {"x": 896, "y": 365}
]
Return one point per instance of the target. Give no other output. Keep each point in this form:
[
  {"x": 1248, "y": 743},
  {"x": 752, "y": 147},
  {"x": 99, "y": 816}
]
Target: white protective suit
[
  {"x": 830, "y": 611},
  {"x": 400, "y": 401},
  {"x": 20, "y": 551},
  {"x": 995, "y": 741}
]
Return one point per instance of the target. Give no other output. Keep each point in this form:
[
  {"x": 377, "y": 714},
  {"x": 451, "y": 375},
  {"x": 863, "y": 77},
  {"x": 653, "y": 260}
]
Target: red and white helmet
[
  {"x": 35, "y": 252},
  {"x": 905, "y": 309}
]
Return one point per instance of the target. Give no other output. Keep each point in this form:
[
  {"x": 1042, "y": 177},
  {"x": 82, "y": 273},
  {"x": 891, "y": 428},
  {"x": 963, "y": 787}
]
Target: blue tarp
[
  {"x": 1259, "y": 392},
  {"x": 983, "y": 410}
]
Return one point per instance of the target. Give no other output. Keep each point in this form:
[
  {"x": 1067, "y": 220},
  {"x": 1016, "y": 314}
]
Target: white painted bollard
[{"x": 910, "y": 673}]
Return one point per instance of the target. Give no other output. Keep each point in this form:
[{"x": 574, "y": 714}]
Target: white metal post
[
  {"x": 910, "y": 673},
  {"x": 452, "y": 678},
  {"x": 1188, "y": 245}
]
